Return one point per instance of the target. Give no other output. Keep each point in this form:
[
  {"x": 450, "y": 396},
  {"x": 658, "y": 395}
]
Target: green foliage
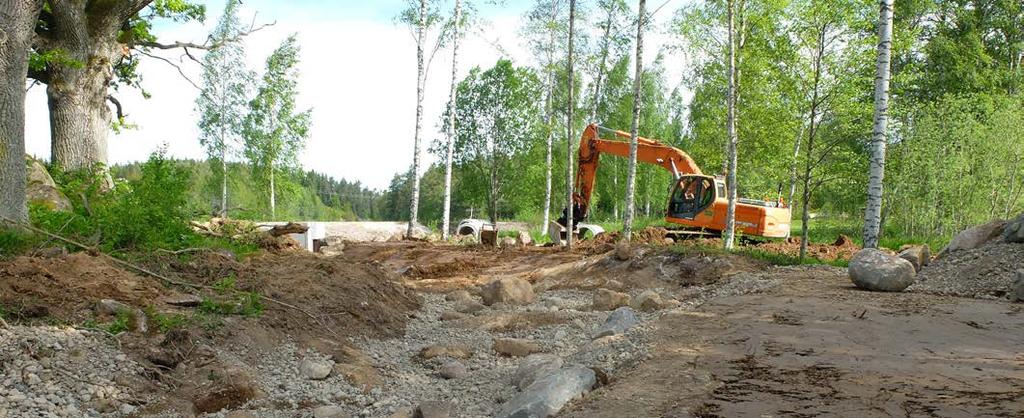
[
  {"x": 231, "y": 301},
  {"x": 14, "y": 242},
  {"x": 145, "y": 214},
  {"x": 773, "y": 258},
  {"x": 167, "y": 322},
  {"x": 274, "y": 130},
  {"x": 40, "y": 61}
]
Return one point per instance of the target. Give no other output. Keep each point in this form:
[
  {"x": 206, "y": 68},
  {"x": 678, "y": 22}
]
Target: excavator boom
[{"x": 697, "y": 200}]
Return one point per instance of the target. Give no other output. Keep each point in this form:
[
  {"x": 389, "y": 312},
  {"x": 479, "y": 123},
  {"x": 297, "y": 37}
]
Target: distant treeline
[{"x": 305, "y": 195}]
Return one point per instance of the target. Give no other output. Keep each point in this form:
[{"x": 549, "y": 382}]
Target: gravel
[
  {"x": 64, "y": 372},
  {"x": 987, "y": 272}
]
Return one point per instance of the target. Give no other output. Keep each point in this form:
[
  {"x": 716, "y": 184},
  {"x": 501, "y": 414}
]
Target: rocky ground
[{"x": 404, "y": 329}]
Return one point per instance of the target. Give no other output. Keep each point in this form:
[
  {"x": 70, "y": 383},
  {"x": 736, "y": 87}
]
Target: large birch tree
[
  {"x": 731, "y": 154},
  {"x": 420, "y": 17},
  {"x": 222, "y": 101},
  {"x": 450, "y": 131},
  {"x": 275, "y": 130},
  {"x": 876, "y": 164},
  {"x": 627, "y": 223},
  {"x": 570, "y": 205}
]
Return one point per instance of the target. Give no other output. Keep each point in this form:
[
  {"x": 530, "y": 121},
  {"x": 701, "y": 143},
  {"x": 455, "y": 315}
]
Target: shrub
[{"x": 147, "y": 213}]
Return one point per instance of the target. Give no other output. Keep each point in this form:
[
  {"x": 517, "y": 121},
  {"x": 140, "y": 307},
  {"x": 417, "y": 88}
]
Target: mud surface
[{"x": 815, "y": 346}]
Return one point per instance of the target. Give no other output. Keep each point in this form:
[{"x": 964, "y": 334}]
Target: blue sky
[{"x": 358, "y": 74}]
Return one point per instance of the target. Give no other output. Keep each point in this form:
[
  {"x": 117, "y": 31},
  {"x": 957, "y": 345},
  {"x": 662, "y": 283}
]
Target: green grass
[
  {"x": 826, "y": 230},
  {"x": 773, "y": 258}
]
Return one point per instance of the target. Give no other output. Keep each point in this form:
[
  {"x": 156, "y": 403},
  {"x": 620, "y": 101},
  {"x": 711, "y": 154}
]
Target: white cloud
[{"x": 359, "y": 76}]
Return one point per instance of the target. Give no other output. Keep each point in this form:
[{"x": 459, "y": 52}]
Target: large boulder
[
  {"x": 975, "y": 237},
  {"x": 607, "y": 300},
  {"x": 316, "y": 368},
  {"x": 918, "y": 255},
  {"x": 873, "y": 269},
  {"x": 40, "y": 188},
  {"x": 510, "y": 290},
  {"x": 534, "y": 367},
  {"x": 1013, "y": 232},
  {"x": 546, "y": 396},
  {"x": 618, "y": 322}
]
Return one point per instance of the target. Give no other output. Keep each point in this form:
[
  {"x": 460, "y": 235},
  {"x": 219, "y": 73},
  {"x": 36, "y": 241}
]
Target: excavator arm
[{"x": 592, "y": 145}]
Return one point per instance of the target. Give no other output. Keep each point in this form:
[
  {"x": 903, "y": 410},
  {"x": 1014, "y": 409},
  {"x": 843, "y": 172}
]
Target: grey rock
[
  {"x": 650, "y": 301},
  {"x": 329, "y": 411},
  {"x": 873, "y": 269},
  {"x": 524, "y": 238},
  {"x": 546, "y": 396},
  {"x": 469, "y": 306},
  {"x": 918, "y": 255},
  {"x": 515, "y": 347},
  {"x": 618, "y": 322},
  {"x": 510, "y": 290},
  {"x": 533, "y": 367},
  {"x": 453, "y": 370},
  {"x": 111, "y": 307},
  {"x": 1013, "y": 233},
  {"x": 41, "y": 189},
  {"x": 975, "y": 237},
  {"x": 187, "y": 301},
  {"x": 607, "y": 300},
  {"x": 315, "y": 369},
  {"x": 458, "y": 296},
  {"x": 434, "y": 409}
]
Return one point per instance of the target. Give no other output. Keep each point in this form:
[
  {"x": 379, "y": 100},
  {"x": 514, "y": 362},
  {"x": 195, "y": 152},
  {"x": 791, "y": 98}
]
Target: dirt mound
[
  {"x": 340, "y": 297},
  {"x": 652, "y": 235},
  {"x": 67, "y": 287},
  {"x": 987, "y": 272},
  {"x": 842, "y": 249}
]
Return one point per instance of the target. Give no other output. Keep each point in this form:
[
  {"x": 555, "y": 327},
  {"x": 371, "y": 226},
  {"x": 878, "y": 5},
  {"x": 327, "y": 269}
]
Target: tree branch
[
  {"x": 176, "y": 66},
  {"x": 117, "y": 106}
]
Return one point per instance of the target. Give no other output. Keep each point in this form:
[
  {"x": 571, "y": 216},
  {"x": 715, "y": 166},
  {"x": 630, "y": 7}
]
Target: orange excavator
[{"x": 697, "y": 202}]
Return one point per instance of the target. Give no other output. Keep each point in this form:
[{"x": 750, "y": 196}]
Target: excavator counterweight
[{"x": 697, "y": 201}]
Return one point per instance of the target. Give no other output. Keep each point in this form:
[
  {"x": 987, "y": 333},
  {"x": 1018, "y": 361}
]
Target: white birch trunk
[
  {"x": 627, "y": 222},
  {"x": 569, "y": 134},
  {"x": 876, "y": 174},
  {"x": 549, "y": 119},
  {"x": 600, "y": 68},
  {"x": 414, "y": 204},
  {"x": 449, "y": 153},
  {"x": 730, "y": 215},
  {"x": 224, "y": 174},
  {"x": 273, "y": 196}
]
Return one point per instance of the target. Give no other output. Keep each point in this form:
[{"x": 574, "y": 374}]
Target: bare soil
[
  {"x": 816, "y": 346},
  {"x": 809, "y": 345}
]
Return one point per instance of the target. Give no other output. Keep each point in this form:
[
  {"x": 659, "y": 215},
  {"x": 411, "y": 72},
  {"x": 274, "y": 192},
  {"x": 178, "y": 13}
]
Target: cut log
[{"x": 289, "y": 228}]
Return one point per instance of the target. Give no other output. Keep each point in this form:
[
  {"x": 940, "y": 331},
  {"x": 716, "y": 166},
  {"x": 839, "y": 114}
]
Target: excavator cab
[{"x": 692, "y": 195}]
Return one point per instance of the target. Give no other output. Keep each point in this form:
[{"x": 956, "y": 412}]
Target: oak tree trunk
[
  {"x": 77, "y": 89},
  {"x": 627, "y": 223},
  {"x": 876, "y": 165},
  {"x": 450, "y": 151},
  {"x": 17, "y": 19}
]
